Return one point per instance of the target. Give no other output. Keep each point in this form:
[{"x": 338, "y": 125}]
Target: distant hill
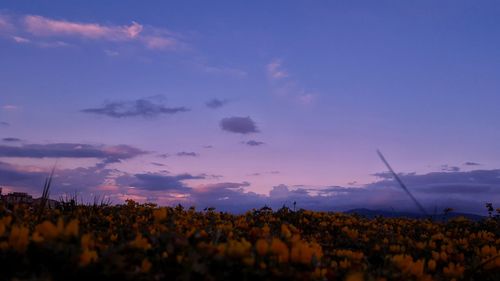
[{"x": 391, "y": 214}]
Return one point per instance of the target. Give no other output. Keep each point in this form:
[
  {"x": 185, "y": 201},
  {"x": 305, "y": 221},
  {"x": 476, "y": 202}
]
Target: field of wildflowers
[{"x": 145, "y": 242}]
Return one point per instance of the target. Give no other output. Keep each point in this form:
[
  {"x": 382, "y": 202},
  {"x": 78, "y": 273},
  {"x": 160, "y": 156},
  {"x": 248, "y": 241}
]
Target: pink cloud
[
  {"x": 159, "y": 43},
  {"x": 20, "y": 39},
  {"x": 275, "y": 70},
  {"x": 41, "y": 26},
  {"x": 306, "y": 98},
  {"x": 26, "y": 29},
  {"x": 10, "y": 107},
  {"x": 5, "y": 24}
]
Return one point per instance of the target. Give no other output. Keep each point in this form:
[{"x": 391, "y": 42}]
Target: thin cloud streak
[
  {"x": 27, "y": 28},
  {"x": 188, "y": 154},
  {"x": 253, "y": 143},
  {"x": 138, "y": 108},
  {"x": 275, "y": 70},
  {"x": 109, "y": 154},
  {"x": 11, "y": 139},
  {"x": 216, "y": 103}
]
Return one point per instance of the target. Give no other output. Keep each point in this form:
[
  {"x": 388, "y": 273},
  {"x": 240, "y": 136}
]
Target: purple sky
[{"x": 237, "y": 105}]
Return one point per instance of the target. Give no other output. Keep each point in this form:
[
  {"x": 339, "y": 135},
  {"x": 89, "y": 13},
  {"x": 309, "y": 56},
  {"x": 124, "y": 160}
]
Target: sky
[{"x": 240, "y": 104}]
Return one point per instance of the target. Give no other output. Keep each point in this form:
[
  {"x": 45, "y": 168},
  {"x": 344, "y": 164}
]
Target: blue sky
[{"x": 309, "y": 90}]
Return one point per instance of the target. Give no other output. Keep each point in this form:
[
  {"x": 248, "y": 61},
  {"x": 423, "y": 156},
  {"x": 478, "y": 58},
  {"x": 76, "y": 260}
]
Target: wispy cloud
[
  {"x": 10, "y": 107},
  {"x": 109, "y": 154},
  {"x": 11, "y": 139},
  {"x": 449, "y": 168},
  {"x": 275, "y": 70},
  {"x": 240, "y": 125},
  {"x": 306, "y": 98},
  {"x": 20, "y": 39},
  {"x": 138, "y": 108},
  {"x": 253, "y": 143},
  {"x": 471, "y": 164},
  {"x": 42, "y": 26},
  {"x": 5, "y": 23},
  {"x": 221, "y": 70},
  {"x": 27, "y": 28},
  {"x": 188, "y": 154},
  {"x": 285, "y": 86},
  {"x": 3, "y": 123},
  {"x": 216, "y": 103}
]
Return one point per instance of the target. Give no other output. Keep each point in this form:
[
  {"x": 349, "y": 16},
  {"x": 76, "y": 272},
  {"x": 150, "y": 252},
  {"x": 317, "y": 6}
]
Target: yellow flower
[
  {"x": 453, "y": 270},
  {"x": 431, "y": 265},
  {"x": 303, "y": 252},
  {"x": 238, "y": 248},
  {"x": 86, "y": 241},
  {"x": 262, "y": 247},
  {"x": 47, "y": 230},
  {"x": 146, "y": 266},
  {"x": 71, "y": 229},
  {"x": 140, "y": 242},
  {"x": 19, "y": 238},
  {"x": 279, "y": 248},
  {"x": 160, "y": 214},
  {"x": 87, "y": 257},
  {"x": 356, "y": 276},
  {"x": 285, "y": 232},
  {"x": 36, "y": 237}
]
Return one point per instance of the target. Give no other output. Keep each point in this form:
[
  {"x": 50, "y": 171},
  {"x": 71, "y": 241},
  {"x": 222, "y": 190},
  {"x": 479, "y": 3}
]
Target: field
[{"x": 145, "y": 242}]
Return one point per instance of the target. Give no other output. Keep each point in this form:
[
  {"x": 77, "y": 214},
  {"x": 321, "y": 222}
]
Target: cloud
[
  {"x": 158, "y": 164},
  {"x": 28, "y": 28},
  {"x": 138, "y": 108},
  {"x": 111, "y": 53},
  {"x": 216, "y": 103},
  {"x": 253, "y": 143},
  {"x": 42, "y": 26},
  {"x": 306, "y": 98},
  {"x": 158, "y": 182},
  {"x": 226, "y": 196},
  {"x": 450, "y": 168},
  {"x": 109, "y": 154},
  {"x": 471, "y": 164},
  {"x": 264, "y": 173},
  {"x": 189, "y": 154},
  {"x": 284, "y": 86},
  {"x": 30, "y": 179},
  {"x": 435, "y": 190},
  {"x": 10, "y": 107},
  {"x": 5, "y": 23},
  {"x": 275, "y": 70},
  {"x": 21, "y": 40},
  {"x": 11, "y": 139},
  {"x": 4, "y": 123},
  {"x": 220, "y": 70},
  {"x": 465, "y": 191},
  {"x": 240, "y": 125},
  {"x": 13, "y": 176}
]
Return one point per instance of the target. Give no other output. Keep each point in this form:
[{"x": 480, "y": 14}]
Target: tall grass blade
[
  {"x": 403, "y": 186},
  {"x": 45, "y": 194}
]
